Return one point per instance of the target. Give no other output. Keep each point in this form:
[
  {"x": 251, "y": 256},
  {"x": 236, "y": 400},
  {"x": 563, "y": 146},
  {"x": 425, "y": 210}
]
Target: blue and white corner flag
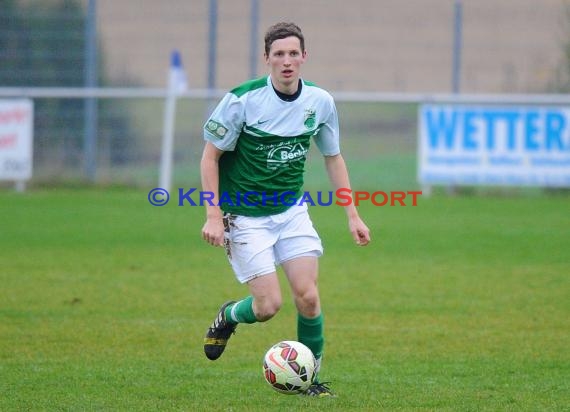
[
  {"x": 177, "y": 84},
  {"x": 177, "y": 80}
]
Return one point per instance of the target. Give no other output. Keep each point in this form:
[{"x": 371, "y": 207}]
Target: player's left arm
[{"x": 338, "y": 175}]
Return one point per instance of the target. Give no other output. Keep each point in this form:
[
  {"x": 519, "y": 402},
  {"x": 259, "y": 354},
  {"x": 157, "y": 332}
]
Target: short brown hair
[{"x": 282, "y": 31}]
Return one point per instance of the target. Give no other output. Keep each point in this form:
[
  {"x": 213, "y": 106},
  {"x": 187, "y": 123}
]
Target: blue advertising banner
[{"x": 494, "y": 145}]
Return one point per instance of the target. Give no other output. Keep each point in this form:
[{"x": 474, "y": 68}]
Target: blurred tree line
[{"x": 42, "y": 44}]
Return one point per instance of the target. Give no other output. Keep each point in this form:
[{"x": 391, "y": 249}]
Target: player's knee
[
  {"x": 308, "y": 303},
  {"x": 267, "y": 309}
]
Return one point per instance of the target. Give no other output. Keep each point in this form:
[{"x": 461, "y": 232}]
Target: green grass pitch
[{"x": 459, "y": 304}]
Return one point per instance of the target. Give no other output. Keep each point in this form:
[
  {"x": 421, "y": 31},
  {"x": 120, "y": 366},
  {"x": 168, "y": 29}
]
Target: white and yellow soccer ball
[{"x": 289, "y": 367}]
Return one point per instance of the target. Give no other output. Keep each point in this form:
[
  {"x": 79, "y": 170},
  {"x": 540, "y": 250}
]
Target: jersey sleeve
[
  {"x": 327, "y": 139},
  {"x": 224, "y": 126}
]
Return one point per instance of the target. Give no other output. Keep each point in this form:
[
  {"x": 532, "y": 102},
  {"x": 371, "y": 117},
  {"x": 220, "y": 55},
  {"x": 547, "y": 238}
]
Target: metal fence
[
  {"x": 130, "y": 132},
  {"x": 378, "y": 135}
]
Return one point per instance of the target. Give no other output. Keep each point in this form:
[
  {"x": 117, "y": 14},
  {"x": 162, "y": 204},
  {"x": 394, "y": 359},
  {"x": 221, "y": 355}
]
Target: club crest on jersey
[
  {"x": 310, "y": 118},
  {"x": 283, "y": 154},
  {"x": 216, "y": 129}
]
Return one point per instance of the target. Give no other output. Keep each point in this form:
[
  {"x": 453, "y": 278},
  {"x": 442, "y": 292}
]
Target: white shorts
[{"x": 255, "y": 245}]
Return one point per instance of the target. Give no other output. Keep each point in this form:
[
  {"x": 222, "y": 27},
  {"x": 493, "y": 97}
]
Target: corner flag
[
  {"x": 177, "y": 84},
  {"x": 177, "y": 81}
]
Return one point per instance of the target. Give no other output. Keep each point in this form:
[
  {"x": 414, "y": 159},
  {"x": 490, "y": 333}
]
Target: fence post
[
  {"x": 457, "y": 46},
  {"x": 212, "y": 54},
  {"x": 254, "y": 28},
  {"x": 91, "y": 115}
]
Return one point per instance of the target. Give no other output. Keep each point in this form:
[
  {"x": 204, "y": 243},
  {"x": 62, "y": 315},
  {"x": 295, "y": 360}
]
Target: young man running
[{"x": 257, "y": 140}]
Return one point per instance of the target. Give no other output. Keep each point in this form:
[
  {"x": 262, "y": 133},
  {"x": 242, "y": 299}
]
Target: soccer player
[{"x": 257, "y": 140}]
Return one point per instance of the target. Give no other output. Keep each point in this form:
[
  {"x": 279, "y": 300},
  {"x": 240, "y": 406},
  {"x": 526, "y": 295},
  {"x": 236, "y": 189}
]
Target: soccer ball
[{"x": 289, "y": 367}]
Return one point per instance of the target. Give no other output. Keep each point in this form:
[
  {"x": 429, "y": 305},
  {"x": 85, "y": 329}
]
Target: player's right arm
[
  {"x": 221, "y": 133},
  {"x": 213, "y": 229}
]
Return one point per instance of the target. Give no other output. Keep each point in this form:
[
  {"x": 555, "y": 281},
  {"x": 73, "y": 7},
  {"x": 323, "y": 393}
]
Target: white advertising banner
[
  {"x": 16, "y": 134},
  {"x": 494, "y": 145}
]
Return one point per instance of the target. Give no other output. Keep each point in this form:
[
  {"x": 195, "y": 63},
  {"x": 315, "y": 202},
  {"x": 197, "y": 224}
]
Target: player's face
[{"x": 284, "y": 60}]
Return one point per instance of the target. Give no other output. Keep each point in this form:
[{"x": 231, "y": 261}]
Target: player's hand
[
  {"x": 359, "y": 231},
  {"x": 213, "y": 231}
]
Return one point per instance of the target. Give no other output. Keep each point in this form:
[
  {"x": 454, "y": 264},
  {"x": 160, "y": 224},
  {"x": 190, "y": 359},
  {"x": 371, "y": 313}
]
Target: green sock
[
  {"x": 241, "y": 312},
  {"x": 310, "y": 333}
]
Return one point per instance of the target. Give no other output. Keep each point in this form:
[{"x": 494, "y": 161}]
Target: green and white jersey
[{"x": 266, "y": 141}]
